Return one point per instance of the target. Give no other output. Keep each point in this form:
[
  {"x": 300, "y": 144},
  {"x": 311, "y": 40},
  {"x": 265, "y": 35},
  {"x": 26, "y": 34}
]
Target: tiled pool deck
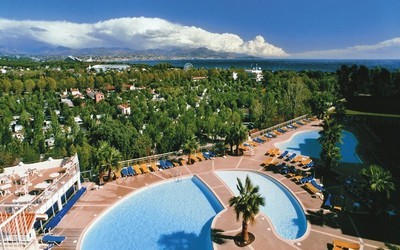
[{"x": 94, "y": 202}]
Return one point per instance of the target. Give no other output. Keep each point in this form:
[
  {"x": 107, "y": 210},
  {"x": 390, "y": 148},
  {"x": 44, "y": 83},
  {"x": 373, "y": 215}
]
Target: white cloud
[
  {"x": 388, "y": 49},
  {"x": 135, "y": 33}
]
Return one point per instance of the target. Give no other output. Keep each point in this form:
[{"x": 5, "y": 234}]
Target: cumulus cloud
[
  {"x": 136, "y": 33},
  {"x": 388, "y": 49}
]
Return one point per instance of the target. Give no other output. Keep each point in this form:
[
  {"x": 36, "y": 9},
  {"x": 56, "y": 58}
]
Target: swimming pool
[
  {"x": 306, "y": 143},
  {"x": 170, "y": 215},
  {"x": 281, "y": 207}
]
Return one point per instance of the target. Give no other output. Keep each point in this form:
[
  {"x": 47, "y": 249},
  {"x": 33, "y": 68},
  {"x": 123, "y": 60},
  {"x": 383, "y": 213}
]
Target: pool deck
[{"x": 95, "y": 202}]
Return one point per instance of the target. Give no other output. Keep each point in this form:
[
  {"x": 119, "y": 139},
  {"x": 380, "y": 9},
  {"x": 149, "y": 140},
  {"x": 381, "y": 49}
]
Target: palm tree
[
  {"x": 247, "y": 204},
  {"x": 236, "y": 135},
  {"x": 330, "y": 155},
  {"x": 379, "y": 180},
  {"x": 240, "y": 136},
  {"x": 331, "y": 135},
  {"x": 190, "y": 147},
  {"x": 107, "y": 158}
]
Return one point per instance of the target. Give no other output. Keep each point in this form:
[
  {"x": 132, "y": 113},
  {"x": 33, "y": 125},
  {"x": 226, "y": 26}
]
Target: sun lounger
[
  {"x": 53, "y": 239},
  {"x": 200, "y": 156},
  {"x": 124, "y": 172},
  {"x": 268, "y": 161},
  {"x": 145, "y": 168},
  {"x": 327, "y": 203},
  {"x": 137, "y": 169},
  {"x": 297, "y": 178},
  {"x": 182, "y": 161},
  {"x": 192, "y": 158},
  {"x": 306, "y": 161},
  {"x": 291, "y": 157},
  {"x": 311, "y": 187},
  {"x": 306, "y": 179},
  {"x": 212, "y": 154},
  {"x": 341, "y": 244},
  {"x": 284, "y": 154},
  {"x": 206, "y": 155},
  {"x": 169, "y": 164},
  {"x": 131, "y": 172},
  {"x": 153, "y": 166}
]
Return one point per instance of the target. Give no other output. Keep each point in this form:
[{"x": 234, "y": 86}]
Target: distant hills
[{"x": 172, "y": 53}]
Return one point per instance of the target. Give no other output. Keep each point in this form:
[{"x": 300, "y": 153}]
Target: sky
[{"x": 356, "y": 29}]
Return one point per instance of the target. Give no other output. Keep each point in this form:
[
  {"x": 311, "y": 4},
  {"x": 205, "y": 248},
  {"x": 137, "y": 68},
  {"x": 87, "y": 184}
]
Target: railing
[
  {"x": 15, "y": 231},
  {"x": 280, "y": 125}
]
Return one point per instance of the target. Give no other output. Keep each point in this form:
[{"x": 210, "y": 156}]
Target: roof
[{"x": 22, "y": 223}]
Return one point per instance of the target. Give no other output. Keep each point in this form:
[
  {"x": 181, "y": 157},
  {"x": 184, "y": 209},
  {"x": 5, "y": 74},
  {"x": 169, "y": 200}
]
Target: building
[
  {"x": 95, "y": 95},
  {"x": 106, "y": 67},
  {"x": 124, "y": 109},
  {"x": 255, "y": 73},
  {"x": 34, "y": 198}
]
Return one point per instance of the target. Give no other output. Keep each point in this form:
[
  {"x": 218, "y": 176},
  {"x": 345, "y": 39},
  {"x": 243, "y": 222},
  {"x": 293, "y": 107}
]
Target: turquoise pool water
[
  {"x": 306, "y": 143},
  {"x": 281, "y": 207},
  {"x": 171, "y": 215}
]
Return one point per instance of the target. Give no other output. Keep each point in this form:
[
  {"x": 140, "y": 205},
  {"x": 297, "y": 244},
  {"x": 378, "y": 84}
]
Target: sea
[{"x": 324, "y": 65}]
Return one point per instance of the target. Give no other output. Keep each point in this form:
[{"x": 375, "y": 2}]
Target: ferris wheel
[{"x": 188, "y": 66}]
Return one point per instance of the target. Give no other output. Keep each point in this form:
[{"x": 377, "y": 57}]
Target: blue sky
[{"x": 270, "y": 28}]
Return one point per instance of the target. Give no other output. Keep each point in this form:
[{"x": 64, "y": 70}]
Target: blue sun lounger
[
  {"x": 163, "y": 164},
  {"x": 327, "y": 202},
  {"x": 212, "y": 154},
  {"x": 53, "y": 239},
  {"x": 206, "y": 155},
  {"x": 169, "y": 164},
  {"x": 124, "y": 172},
  {"x": 291, "y": 157},
  {"x": 131, "y": 172},
  {"x": 284, "y": 154},
  {"x": 306, "y": 179}
]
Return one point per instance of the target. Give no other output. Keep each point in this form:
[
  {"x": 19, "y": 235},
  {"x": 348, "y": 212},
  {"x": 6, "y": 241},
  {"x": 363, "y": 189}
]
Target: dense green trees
[{"x": 168, "y": 107}]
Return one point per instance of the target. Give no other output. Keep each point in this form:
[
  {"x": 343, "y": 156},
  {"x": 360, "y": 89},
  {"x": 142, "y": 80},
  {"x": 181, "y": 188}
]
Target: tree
[
  {"x": 247, "y": 205},
  {"x": 107, "y": 158},
  {"x": 236, "y": 135},
  {"x": 29, "y": 85},
  {"x": 331, "y": 136},
  {"x": 379, "y": 180},
  {"x": 18, "y": 86},
  {"x": 190, "y": 147}
]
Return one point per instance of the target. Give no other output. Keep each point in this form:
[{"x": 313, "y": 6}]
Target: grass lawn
[{"x": 354, "y": 112}]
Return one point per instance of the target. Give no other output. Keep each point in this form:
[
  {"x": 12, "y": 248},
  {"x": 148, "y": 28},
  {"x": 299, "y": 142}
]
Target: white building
[
  {"x": 255, "y": 73},
  {"x": 34, "y": 198}
]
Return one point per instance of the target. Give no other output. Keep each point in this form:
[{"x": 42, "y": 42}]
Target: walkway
[{"x": 94, "y": 202}]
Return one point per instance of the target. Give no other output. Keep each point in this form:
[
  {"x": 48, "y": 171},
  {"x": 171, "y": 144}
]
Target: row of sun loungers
[
  {"x": 341, "y": 244},
  {"x": 163, "y": 164}
]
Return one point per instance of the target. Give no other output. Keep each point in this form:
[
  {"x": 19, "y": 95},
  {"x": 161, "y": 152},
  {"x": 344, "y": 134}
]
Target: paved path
[{"x": 95, "y": 202}]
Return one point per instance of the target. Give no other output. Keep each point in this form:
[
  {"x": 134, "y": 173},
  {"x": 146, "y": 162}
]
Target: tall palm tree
[
  {"x": 190, "y": 147},
  {"x": 379, "y": 180},
  {"x": 246, "y": 204},
  {"x": 331, "y": 135},
  {"x": 107, "y": 158},
  {"x": 236, "y": 135},
  {"x": 240, "y": 136},
  {"x": 330, "y": 155}
]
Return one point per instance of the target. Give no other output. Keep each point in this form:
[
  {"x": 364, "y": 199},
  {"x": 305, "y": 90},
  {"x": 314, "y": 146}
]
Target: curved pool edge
[
  {"x": 109, "y": 209},
  {"x": 266, "y": 175}
]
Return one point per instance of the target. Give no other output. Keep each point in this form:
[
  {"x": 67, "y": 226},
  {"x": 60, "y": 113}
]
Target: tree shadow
[
  {"x": 219, "y": 238},
  {"x": 185, "y": 240},
  {"x": 323, "y": 219}
]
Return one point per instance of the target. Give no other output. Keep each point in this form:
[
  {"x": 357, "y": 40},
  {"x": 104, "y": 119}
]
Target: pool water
[
  {"x": 306, "y": 143},
  {"x": 170, "y": 215},
  {"x": 281, "y": 207}
]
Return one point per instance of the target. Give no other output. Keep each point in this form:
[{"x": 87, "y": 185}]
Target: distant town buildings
[
  {"x": 124, "y": 109},
  {"x": 255, "y": 73},
  {"x": 106, "y": 67}
]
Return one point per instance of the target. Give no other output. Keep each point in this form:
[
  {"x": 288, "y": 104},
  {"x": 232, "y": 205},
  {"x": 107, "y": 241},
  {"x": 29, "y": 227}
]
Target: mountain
[{"x": 170, "y": 53}]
